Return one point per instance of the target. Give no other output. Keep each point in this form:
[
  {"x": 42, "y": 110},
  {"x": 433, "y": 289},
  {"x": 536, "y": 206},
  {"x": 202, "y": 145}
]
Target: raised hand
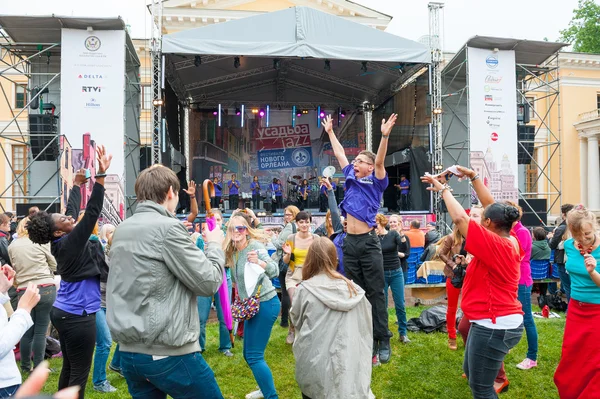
[
  {"x": 287, "y": 248},
  {"x": 80, "y": 178},
  {"x": 435, "y": 184},
  {"x": 386, "y": 127},
  {"x": 30, "y": 298},
  {"x": 470, "y": 173},
  {"x": 104, "y": 159},
  {"x": 253, "y": 257},
  {"x": 326, "y": 183},
  {"x": 5, "y": 281},
  {"x": 191, "y": 190},
  {"x": 328, "y": 124}
]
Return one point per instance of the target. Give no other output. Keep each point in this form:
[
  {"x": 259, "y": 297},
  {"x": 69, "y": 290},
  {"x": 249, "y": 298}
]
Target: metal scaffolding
[{"x": 158, "y": 125}]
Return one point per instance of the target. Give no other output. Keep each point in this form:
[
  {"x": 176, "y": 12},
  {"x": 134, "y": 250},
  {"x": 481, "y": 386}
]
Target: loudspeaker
[
  {"x": 43, "y": 129},
  {"x": 526, "y": 136},
  {"x": 530, "y": 219},
  {"x": 23, "y": 209},
  {"x": 534, "y": 209},
  {"x": 145, "y": 157}
]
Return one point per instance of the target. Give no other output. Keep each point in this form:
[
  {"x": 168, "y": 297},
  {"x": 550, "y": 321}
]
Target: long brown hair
[
  {"x": 329, "y": 224},
  {"x": 229, "y": 245},
  {"x": 322, "y": 258}
]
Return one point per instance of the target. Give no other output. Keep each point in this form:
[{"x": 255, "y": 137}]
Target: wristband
[
  {"x": 475, "y": 177},
  {"x": 385, "y": 136},
  {"x": 192, "y": 196},
  {"x": 100, "y": 175}
]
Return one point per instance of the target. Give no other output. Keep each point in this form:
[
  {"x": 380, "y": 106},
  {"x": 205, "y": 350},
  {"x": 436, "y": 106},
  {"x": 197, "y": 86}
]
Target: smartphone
[{"x": 88, "y": 173}]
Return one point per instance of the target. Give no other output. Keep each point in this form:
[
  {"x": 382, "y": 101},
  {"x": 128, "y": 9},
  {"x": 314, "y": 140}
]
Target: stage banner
[
  {"x": 285, "y": 159},
  {"x": 493, "y": 120},
  {"x": 282, "y": 137},
  {"x": 93, "y": 94}
]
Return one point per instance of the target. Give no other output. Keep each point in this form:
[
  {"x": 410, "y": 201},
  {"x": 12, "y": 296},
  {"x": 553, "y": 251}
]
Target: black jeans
[
  {"x": 234, "y": 200},
  {"x": 214, "y": 202},
  {"x": 279, "y": 200},
  {"x": 77, "y": 341},
  {"x": 363, "y": 263},
  {"x": 285, "y": 298},
  {"x": 404, "y": 202},
  {"x": 35, "y": 337},
  {"x": 323, "y": 202},
  {"x": 484, "y": 353},
  {"x": 255, "y": 201}
]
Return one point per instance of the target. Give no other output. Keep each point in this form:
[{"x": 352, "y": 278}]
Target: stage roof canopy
[{"x": 290, "y": 47}]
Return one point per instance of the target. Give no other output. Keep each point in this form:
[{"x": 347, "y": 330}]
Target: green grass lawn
[{"x": 425, "y": 368}]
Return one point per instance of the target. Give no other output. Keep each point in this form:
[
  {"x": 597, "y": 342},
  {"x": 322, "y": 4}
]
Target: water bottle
[{"x": 546, "y": 311}]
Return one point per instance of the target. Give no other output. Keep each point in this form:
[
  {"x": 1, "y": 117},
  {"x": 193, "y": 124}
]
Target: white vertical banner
[
  {"x": 493, "y": 120},
  {"x": 93, "y": 96}
]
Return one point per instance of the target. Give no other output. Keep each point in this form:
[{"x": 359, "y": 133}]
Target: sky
[{"x": 462, "y": 19}]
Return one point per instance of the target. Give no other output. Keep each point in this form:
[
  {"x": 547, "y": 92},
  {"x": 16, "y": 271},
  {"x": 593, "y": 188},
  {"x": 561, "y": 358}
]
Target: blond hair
[
  {"x": 22, "y": 228},
  {"x": 105, "y": 230},
  {"x": 322, "y": 258},
  {"x": 578, "y": 218},
  {"x": 228, "y": 244},
  {"x": 328, "y": 223},
  {"x": 293, "y": 210}
]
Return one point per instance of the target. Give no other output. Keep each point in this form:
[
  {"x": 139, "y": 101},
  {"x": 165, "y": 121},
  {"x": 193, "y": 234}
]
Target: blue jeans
[
  {"x": 180, "y": 377},
  {"x": 484, "y": 353},
  {"x": 530, "y": 329},
  {"x": 394, "y": 279},
  {"x": 257, "y": 332},
  {"x": 8, "y": 392},
  {"x": 116, "y": 360},
  {"x": 565, "y": 281},
  {"x": 103, "y": 344},
  {"x": 204, "y": 311}
]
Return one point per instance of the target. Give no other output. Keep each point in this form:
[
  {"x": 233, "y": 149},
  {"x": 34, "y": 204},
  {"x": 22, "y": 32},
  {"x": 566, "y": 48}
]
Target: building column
[
  {"x": 593, "y": 173},
  {"x": 583, "y": 169}
]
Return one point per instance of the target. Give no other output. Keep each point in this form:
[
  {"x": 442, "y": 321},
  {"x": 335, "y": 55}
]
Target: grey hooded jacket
[{"x": 156, "y": 273}]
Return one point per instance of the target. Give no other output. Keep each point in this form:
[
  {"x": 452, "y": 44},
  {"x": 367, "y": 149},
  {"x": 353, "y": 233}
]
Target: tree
[{"x": 583, "y": 32}]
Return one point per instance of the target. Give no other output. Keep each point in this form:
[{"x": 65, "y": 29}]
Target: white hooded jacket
[{"x": 334, "y": 339}]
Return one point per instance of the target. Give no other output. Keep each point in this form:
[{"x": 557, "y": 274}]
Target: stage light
[
  {"x": 276, "y": 63},
  {"x": 255, "y": 110},
  {"x": 321, "y": 114},
  {"x": 238, "y": 112},
  {"x": 268, "y": 115},
  {"x": 158, "y": 103},
  {"x": 261, "y": 113},
  {"x": 327, "y": 65},
  {"x": 343, "y": 114},
  {"x": 197, "y": 61},
  {"x": 299, "y": 114},
  {"x": 242, "y": 116},
  {"x": 364, "y": 67},
  {"x": 216, "y": 112},
  {"x": 294, "y": 116},
  {"x": 437, "y": 111},
  {"x": 236, "y": 62},
  {"x": 219, "y": 111},
  {"x": 304, "y": 111}
]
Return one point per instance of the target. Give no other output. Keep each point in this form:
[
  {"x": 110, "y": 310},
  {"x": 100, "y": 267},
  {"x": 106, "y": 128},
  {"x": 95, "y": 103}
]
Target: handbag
[
  {"x": 459, "y": 276},
  {"x": 245, "y": 309}
]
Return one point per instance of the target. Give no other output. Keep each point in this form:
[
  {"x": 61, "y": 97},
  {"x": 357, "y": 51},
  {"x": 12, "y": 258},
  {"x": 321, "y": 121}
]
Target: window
[
  {"x": 20, "y": 96},
  {"x": 531, "y": 174},
  {"x": 531, "y": 101},
  {"x": 146, "y": 97},
  {"x": 19, "y": 163},
  {"x": 598, "y": 100}
]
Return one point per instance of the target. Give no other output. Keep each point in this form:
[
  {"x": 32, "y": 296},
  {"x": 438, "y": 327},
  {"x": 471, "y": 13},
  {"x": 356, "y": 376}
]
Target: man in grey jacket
[{"x": 156, "y": 273}]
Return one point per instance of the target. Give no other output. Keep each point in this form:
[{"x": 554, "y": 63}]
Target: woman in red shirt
[{"x": 490, "y": 287}]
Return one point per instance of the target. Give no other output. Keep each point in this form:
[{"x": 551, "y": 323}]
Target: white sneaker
[{"x": 255, "y": 395}]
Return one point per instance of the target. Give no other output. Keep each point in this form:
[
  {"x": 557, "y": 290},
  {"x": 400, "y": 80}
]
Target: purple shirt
[
  {"x": 233, "y": 189},
  {"x": 254, "y": 187},
  {"x": 324, "y": 188},
  {"x": 276, "y": 188},
  {"x": 404, "y": 186},
  {"x": 78, "y": 297},
  {"x": 217, "y": 190},
  {"x": 363, "y": 196},
  {"x": 525, "y": 241}
]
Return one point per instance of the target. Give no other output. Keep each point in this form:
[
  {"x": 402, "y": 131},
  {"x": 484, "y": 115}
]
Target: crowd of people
[{"x": 149, "y": 285}]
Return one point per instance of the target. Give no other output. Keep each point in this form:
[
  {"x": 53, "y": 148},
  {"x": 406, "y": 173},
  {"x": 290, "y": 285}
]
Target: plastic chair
[{"x": 540, "y": 269}]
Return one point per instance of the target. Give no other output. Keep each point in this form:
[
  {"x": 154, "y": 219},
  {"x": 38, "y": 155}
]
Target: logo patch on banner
[
  {"x": 491, "y": 62},
  {"x": 285, "y": 159},
  {"x": 92, "y": 43}
]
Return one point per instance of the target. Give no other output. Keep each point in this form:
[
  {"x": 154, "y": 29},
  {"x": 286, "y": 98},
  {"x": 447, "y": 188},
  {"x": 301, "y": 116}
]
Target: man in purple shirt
[
  {"x": 323, "y": 201},
  {"x": 255, "y": 188},
  {"x": 366, "y": 179},
  {"x": 404, "y": 188},
  {"x": 234, "y": 193}
]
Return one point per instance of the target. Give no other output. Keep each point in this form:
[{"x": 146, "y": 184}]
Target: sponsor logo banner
[
  {"x": 282, "y": 137},
  {"x": 285, "y": 159}
]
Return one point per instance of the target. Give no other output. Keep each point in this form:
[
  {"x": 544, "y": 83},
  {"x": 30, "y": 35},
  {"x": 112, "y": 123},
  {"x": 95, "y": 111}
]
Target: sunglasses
[{"x": 240, "y": 229}]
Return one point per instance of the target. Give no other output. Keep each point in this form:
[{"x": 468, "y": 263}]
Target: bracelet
[
  {"x": 385, "y": 136},
  {"x": 475, "y": 177},
  {"x": 446, "y": 187},
  {"x": 192, "y": 196},
  {"x": 100, "y": 175}
]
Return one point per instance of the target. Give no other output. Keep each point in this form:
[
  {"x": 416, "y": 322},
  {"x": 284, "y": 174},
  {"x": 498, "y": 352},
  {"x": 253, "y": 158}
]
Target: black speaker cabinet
[
  {"x": 43, "y": 130},
  {"x": 526, "y": 137}
]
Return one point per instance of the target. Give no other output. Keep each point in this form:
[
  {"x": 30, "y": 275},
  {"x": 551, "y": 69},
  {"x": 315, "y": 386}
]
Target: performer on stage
[
  {"x": 323, "y": 196},
  {"x": 366, "y": 179},
  {"x": 255, "y": 188},
  {"x": 234, "y": 192},
  {"x": 216, "y": 200},
  {"x": 404, "y": 187},
  {"x": 276, "y": 187},
  {"x": 304, "y": 191}
]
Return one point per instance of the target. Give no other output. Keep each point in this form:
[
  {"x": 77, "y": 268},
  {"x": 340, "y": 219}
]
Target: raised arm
[
  {"x": 191, "y": 191},
  {"x": 336, "y": 219},
  {"x": 484, "y": 195},
  {"x": 338, "y": 150},
  {"x": 75, "y": 195},
  {"x": 386, "y": 129},
  {"x": 455, "y": 209}
]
